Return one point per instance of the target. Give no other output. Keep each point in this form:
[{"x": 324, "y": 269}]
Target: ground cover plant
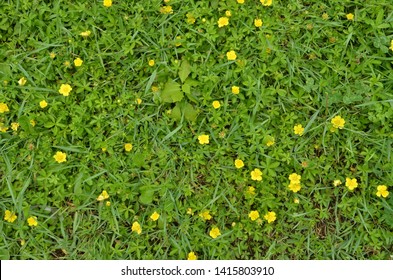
[{"x": 196, "y": 129}]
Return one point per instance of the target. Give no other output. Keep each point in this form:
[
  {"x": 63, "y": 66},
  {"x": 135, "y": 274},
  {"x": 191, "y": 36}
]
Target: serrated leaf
[
  {"x": 176, "y": 112},
  {"x": 189, "y": 112},
  {"x": 171, "y": 92},
  {"x": 184, "y": 71}
]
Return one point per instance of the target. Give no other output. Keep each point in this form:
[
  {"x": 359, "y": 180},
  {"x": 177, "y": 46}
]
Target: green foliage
[{"x": 305, "y": 65}]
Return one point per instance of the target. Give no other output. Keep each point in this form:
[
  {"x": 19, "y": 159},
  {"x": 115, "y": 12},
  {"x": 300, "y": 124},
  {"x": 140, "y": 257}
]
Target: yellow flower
[
  {"x": 107, "y": 3},
  {"x": 258, "y": 22},
  {"x": 295, "y": 178},
  {"x": 231, "y": 55},
  {"x": 266, "y": 2},
  {"x": 136, "y": 227},
  {"x": 382, "y": 191},
  {"x": 85, "y": 33},
  {"x": 189, "y": 211},
  {"x": 78, "y": 62},
  {"x": 298, "y": 129},
  {"x": 151, "y": 62},
  {"x": 235, "y": 90},
  {"x": 216, "y": 104},
  {"x": 9, "y": 216},
  {"x": 43, "y": 104},
  {"x": 155, "y": 88},
  {"x": 338, "y": 122},
  {"x": 108, "y": 203},
  {"x": 3, "y": 128},
  {"x": 67, "y": 64},
  {"x": 138, "y": 101},
  {"x": 15, "y": 126},
  {"x": 22, "y": 242},
  {"x": 270, "y": 142},
  {"x": 52, "y": 55},
  {"x": 104, "y": 195},
  {"x": 178, "y": 41},
  {"x": 128, "y": 147},
  {"x": 270, "y": 217},
  {"x": 32, "y": 221},
  {"x": 22, "y": 81},
  {"x": 4, "y": 108},
  {"x": 239, "y": 163},
  {"x": 251, "y": 190},
  {"x": 166, "y": 10},
  {"x": 33, "y": 123},
  {"x": 214, "y": 232},
  {"x": 240, "y": 1},
  {"x": 256, "y": 175},
  {"x": 228, "y": 13},
  {"x": 203, "y": 139},
  {"x": 337, "y": 183},
  {"x": 205, "y": 215},
  {"x": 391, "y": 45},
  {"x": 60, "y": 157},
  {"x": 192, "y": 256},
  {"x": 253, "y": 215},
  {"x": 155, "y": 216},
  {"x": 65, "y": 89},
  {"x": 190, "y": 18},
  {"x": 295, "y": 187},
  {"x": 351, "y": 183},
  {"x": 296, "y": 200},
  {"x": 350, "y": 16},
  {"x": 223, "y": 21},
  {"x": 325, "y": 16}
]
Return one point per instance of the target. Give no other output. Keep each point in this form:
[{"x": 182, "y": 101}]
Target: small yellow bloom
[
  {"x": 60, "y": 157},
  {"x": 138, "y": 101},
  {"x": 228, "y": 13},
  {"x": 251, "y": 190},
  {"x": 205, "y": 215},
  {"x": 78, "y": 62},
  {"x": 85, "y": 33},
  {"x": 382, "y": 191},
  {"x": 32, "y": 221},
  {"x": 52, "y": 55},
  {"x": 104, "y": 149},
  {"x": 239, "y": 163},
  {"x": 22, "y": 242},
  {"x": 214, "y": 232},
  {"x": 128, "y": 147},
  {"x": 296, "y": 200},
  {"x": 240, "y": 1},
  {"x": 256, "y": 175},
  {"x": 351, "y": 183},
  {"x": 3, "y": 128},
  {"x": 270, "y": 142},
  {"x": 136, "y": 227},
  {"x": 223, "y": 21},
  {"x": 22, "y": 81},
  {"x": 338, "y": 122},
  {"x": 295, "y": 178},
  {"x": 258, "y": 22},
  {"x": 65, "y": 89},
  {"x": 166, "y": 10},
  {"x": 190, "y": 18},
  {"x": 203, "y": 139},
  {"x": 104, "y": 195},
  {"x": 178, "y": 41},
  {"x": 151, "y": 62},
  {"x": 391, "y": 45},
  {"x": 216, "y": 104},
  {"x": 189, "y": 211},
  {"x": 33, "y": 123},
  {"x": 270, "y": 217},
  {"x": 155, "y": 216},
  {"x": 235, "y": 89},
  {"x": 253, "y": 215},
  {"x": 107, "y": 3},
  {"x": 325, "y": 16},
  {"x": 266, "y": 2},
  {"x": 108, "y": 203},
  {"x": 337, "y": 183},
  {"x": 155, "y": 88},
  {"x": 67, "y": 64},
  {"x": 9, "y": 216},
  {"x": 231, "y": 55},
  {"x": 298, "y": 129},
  {"x": 43, "y": 104},
  {"x": 350, "y": 16},
  {"x": 295, "y": 187},
  {"x": 4, "y": 108},
  {"x": 192, "y": 256},
  {"x": 15, "y": 126}
]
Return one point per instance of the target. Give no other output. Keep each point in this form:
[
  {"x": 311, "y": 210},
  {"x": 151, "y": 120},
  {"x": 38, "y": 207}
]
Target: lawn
[{"x": 185, "y": 129}]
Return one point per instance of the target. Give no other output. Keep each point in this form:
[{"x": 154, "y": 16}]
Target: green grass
[{"x": 298, "y": 68}]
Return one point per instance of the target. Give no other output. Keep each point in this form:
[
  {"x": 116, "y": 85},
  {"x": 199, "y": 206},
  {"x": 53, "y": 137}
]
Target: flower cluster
[{"x": 294, "y": 184}]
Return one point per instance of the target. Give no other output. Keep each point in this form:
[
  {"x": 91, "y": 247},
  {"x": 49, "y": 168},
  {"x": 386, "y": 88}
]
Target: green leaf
[
  {"x": 184, "y": 71},
  {"x": 5, "y": 70},
  {"x": 25, "y": 124},
  {"x": 146, "y": 196},
  {"x": 176, "y": 112},
  {"x": 189, "y": 112},
  {"x": 171, "y": 92}
]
